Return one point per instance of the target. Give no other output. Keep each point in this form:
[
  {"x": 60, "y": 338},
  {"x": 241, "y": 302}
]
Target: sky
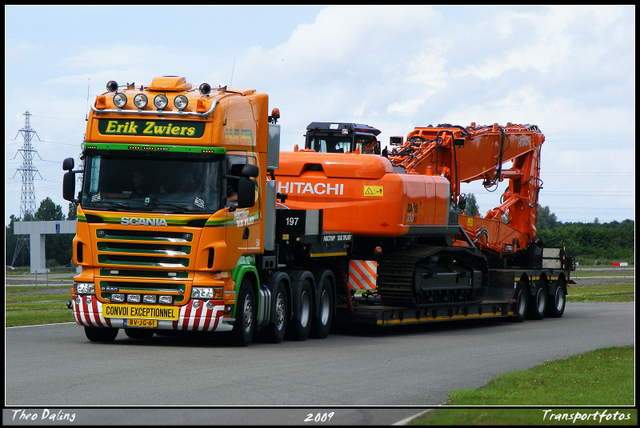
[{"x": 570, "y": 70}]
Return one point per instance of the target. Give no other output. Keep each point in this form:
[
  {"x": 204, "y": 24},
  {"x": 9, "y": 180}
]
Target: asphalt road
[{"x": 364, "y": 378}]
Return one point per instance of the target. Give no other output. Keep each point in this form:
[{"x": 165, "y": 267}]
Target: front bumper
[{"x": 87, "y": 311}]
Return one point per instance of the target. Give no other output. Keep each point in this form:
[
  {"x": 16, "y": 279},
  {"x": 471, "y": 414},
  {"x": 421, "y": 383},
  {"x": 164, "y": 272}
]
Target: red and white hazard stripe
[
  {"x": 203, "y": 318},
  {"x": 88, "y": 311},
  {"x": 363, "y": 274}
]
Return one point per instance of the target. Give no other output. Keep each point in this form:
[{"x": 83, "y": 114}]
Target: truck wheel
[
  {"x": 274, "y": 331},
  {"x": 138, "y": 333},
  {"x": 557, "y": 301},
  {"x": 322, "y": 323},
  {"x": 244, "y": 325},
  {"x": 522, "y": 298},
  {"x": 302, "y": 323},
  {"x": 99, "y": 334},
  {"x": 538, "y": 306}
]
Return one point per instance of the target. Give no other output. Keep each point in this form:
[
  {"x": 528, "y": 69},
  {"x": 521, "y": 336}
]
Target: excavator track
[{"x": 432, "y": 276}]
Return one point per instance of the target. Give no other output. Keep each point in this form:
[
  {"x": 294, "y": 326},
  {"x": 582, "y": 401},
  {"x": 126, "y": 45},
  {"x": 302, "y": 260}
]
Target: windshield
[
  {"x": 342, "y": 144},
  {"x": 124, "y": 183},
  {"x": 330, "y": 144}
]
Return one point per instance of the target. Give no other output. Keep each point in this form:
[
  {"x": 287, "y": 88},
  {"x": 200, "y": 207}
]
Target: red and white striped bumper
[{"x": 87, "y": 311}]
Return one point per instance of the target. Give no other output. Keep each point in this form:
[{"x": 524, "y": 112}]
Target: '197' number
[{"x": 320, "y": 417}]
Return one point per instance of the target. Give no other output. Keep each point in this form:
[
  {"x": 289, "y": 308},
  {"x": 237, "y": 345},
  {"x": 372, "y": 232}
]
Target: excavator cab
[{"x": 329, "y": 137}]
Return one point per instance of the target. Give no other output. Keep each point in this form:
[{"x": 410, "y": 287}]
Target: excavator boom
[{"x": 464, "y": 155}]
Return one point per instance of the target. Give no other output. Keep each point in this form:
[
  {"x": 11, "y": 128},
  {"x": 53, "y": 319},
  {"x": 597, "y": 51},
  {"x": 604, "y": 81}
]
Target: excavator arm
[{"x": 464, "y": 155}]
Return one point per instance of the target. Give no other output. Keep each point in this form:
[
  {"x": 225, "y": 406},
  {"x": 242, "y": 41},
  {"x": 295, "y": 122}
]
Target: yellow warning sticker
[
  {"x": 470, "y": 221},
  {"x": 372, "y": 190}
]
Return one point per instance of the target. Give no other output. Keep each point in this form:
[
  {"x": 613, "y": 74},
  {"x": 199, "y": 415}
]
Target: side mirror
[
  {"x": 250, "y": 171},
  {"x": 69, "y": 186},
  {"x": 68, "y": 164},
  {"x": 246, "y": 193}
]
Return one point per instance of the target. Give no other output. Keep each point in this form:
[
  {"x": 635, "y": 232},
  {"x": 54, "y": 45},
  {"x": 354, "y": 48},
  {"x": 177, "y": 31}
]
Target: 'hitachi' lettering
[{"x": 303, "y": 188}]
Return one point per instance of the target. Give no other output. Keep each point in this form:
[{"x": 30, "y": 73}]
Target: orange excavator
[{"x": 406, "y": 210}]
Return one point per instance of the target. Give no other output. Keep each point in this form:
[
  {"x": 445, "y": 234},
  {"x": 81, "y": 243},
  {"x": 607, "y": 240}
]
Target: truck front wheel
[
  {"x": 244, "y": 325},
  {"x": 99, "y": 334}
]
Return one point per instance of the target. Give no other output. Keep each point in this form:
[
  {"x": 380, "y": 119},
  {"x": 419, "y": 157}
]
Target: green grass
[
  {"x": 603, "y": 377},
  {"x": 46, "y": 307},
  {"x": 602, "y": 293}
]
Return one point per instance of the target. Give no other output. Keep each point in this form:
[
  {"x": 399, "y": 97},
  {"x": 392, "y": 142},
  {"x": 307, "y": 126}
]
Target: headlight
[
  {"x": 166, "y": 300},
  {"x": 117, "y": 297},
  {"x": 160, "y": 101},
  {"x": 85, "y": 288},
  {"x": 140, "y": 101},
  {"x": 206, "y": 293},
  {"x": 180, "y": 102},
  {"x": 120, "y": 99},
  {"x": 149, "y": 298},
  {"x": 133, "y": 298},
  {"x": 202, "y": 293}
]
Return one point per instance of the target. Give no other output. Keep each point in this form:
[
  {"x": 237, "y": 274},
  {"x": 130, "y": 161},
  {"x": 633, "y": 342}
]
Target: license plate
[
  {"x": 140, "y": 323},
  {"x": 147, "y": 312}
]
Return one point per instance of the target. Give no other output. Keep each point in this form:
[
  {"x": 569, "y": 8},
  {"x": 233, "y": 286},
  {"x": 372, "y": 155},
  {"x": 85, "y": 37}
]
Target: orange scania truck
[{"x": 191, "y": 219}]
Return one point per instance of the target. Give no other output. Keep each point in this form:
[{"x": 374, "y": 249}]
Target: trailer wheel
[
  {"x": 98, "y": 334},
  {"x": 538, "y": 306},
  {"x": 557, "y": 301},
  {"x": 522, "y": 299},
  {"x": 274, "y": 331},
  {"x": 302, "y": 323},
  {"x": 244, "y": 325},
  {"x": 138, "y": 333},
  {"x": 322, "y": 323}
]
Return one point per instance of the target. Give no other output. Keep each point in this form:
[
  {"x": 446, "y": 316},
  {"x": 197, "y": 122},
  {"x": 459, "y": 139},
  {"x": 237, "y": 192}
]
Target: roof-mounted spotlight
[
  {"x": 112, "y": 86},
  {"x": 140, "y": 101},
  {"x": 160, "y": 101},
  {"x": 205, "y": 89},
  {"x": 180, "y": 102},
  {"x": 120, "y": 100}
]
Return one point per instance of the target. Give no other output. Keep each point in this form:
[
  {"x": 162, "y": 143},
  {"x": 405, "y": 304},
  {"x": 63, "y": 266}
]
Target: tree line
[{"x": 588, "y": 242}]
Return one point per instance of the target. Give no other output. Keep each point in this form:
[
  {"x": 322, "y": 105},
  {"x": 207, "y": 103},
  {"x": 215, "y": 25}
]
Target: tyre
[
  {"x": 522, "y": 299},
  {"x": 322, "y": 323},
  {"x": 557, "y": 301},
  {"x": 245, "y": 323},
  {"x": 302, "y": 321},
  {"x": 139, "y": 333},
  {"x": 99, "y": 334},
  {"x": 538, "y": 305},
  {"x": 275, "y": 331}
]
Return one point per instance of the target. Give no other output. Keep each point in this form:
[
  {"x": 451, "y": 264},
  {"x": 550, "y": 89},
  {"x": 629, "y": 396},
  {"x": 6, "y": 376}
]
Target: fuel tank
[{"x": 362, "y": 194}]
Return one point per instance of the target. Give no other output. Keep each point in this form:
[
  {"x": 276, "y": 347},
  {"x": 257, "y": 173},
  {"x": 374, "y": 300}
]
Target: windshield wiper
[{"x": 118, "y": 204}]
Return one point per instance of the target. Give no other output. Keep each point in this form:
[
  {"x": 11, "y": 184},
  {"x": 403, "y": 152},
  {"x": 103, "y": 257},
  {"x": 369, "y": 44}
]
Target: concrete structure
[{"x": 37, "y": 231}]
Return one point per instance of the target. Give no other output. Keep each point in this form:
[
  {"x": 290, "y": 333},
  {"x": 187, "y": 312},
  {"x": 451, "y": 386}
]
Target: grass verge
[
  {"x": 602, "y": 293},
  {"x": 30, "y": 305},
  {"x": 604, "y": 377},
  {"x": 596, "y": 378}
]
